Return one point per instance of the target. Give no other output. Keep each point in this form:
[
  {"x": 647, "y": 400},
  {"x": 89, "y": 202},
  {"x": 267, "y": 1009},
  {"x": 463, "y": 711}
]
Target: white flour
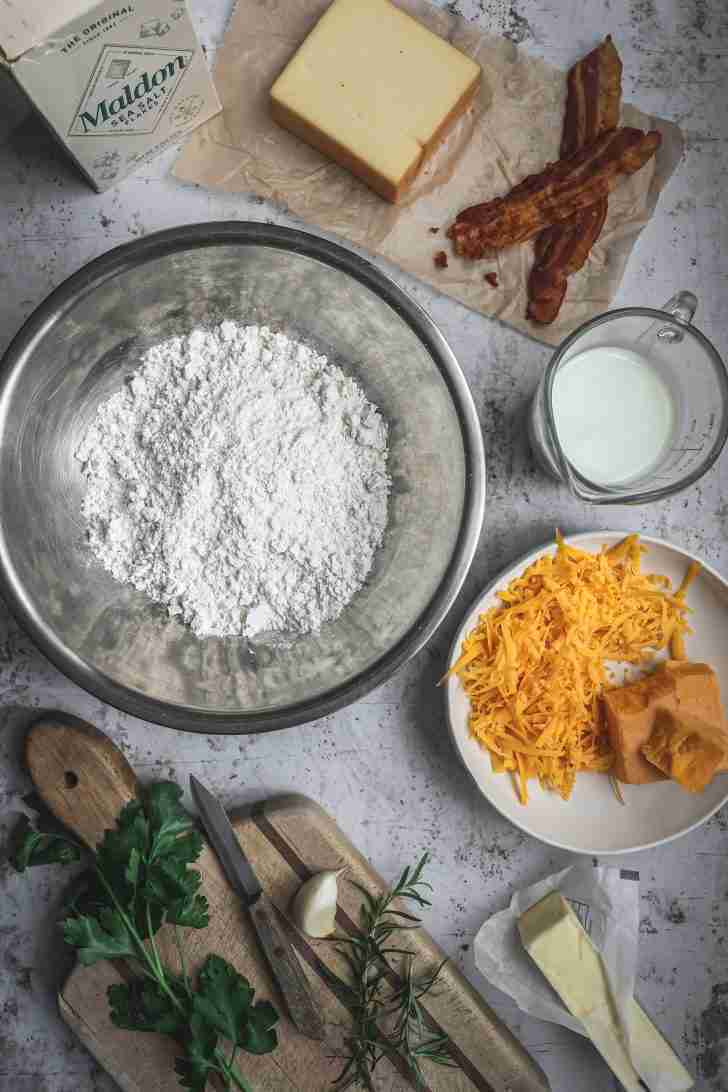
[{"x": 239, "y": 479}]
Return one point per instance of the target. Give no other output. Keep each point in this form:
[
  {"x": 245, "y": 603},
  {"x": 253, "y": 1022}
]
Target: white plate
[{"x": 592, "y": 820}]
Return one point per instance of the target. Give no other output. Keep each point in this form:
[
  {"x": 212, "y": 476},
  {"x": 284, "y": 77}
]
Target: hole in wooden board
[{"x": 71, "y": 779}]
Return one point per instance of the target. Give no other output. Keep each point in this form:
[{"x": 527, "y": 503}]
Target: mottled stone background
[{"x": 385, "y": 767}]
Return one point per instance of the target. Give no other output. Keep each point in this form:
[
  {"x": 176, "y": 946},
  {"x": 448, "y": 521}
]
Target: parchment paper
[
  {"x": 606, "y": 901},
  {"x": 512, "y": 130}
]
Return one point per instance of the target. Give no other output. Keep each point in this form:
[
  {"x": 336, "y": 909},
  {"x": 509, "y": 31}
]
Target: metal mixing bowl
[{"x": 82, "y": 344}]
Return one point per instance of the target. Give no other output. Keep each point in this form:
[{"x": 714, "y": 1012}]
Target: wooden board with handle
[{"x": 85, "y": 781}]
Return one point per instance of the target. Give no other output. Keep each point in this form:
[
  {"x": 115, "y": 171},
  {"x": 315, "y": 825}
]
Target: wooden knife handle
[
  {"x": 79, "y": 773},
  {"x": 286, "y": 968}
]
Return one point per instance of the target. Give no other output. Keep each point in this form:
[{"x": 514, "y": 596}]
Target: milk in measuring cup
[{"x": 615, "y": 415}]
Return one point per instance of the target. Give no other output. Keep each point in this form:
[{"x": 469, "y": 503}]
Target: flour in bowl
[{"x": 240, "y": 479}]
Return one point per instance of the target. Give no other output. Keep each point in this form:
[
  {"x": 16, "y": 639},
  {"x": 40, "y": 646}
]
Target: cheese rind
[
  {"x": 554, "y": 938},
  {"x": 375, "y": 91}
]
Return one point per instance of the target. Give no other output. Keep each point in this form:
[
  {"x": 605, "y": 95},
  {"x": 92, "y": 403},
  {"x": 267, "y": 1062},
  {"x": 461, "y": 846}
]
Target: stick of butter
[
  {"x": 375, "y": 91},
  {"x": 554, "y": 938}
]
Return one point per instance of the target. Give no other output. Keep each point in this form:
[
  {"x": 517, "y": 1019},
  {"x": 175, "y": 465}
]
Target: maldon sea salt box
[{"x": 116, "y": 82}]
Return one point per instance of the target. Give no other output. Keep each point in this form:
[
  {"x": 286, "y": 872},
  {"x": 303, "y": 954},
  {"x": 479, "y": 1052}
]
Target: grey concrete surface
[{"x": 384, "y": 767}]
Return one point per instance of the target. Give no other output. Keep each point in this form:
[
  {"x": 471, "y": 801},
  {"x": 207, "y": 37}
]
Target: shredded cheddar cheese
[
  {"x": 534, "y": 666},
  {"x": 677, "y": 641}
]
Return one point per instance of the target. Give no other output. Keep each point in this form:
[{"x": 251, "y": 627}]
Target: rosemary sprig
[{"x": 389, "y": 1019}]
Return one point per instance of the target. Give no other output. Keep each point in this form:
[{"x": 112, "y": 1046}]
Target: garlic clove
[{"x": 314, "y": 906}]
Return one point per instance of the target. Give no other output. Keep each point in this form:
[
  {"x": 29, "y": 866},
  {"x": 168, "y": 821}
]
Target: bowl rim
[{"x": 251, "y": 233}]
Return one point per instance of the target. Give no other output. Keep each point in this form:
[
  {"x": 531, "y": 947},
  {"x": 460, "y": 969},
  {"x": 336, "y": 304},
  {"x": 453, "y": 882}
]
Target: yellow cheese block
[
  {"x": 554, "y": 938},
  {"x": 375, "y": 91}
]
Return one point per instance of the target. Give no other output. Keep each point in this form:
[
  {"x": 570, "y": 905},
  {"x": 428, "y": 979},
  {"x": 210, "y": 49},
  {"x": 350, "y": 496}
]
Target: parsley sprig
[
  {"x": 140, "y": 879},
  {"x": 386, "y": 994}
]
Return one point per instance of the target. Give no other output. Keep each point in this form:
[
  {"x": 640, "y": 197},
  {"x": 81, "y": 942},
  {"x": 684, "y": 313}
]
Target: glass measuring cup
[{"x": 671, "y": 365}]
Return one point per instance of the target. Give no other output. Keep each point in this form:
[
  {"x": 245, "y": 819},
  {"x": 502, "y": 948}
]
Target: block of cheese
[
  {"x": 554, "y": 938},
  {"x": 630, "y": 714},
  {"x": 679, "y": 687},
  {"x": 688, "y": 749},
  {"x": 375, "y": 91},
  {"x": 698, "y": 693}
]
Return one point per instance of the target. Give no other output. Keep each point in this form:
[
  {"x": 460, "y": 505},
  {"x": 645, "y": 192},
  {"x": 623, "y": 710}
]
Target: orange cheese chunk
[
  {"x": 686, "y": 748},
  {"x": 687, "y": 690},
  {"x": 697, "y": 689},
  {"x": 630, "y": 716}
]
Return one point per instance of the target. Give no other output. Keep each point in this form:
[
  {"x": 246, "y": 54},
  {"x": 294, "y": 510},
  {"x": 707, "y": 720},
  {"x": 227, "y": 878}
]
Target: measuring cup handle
[{"x": 682, "y": 306}]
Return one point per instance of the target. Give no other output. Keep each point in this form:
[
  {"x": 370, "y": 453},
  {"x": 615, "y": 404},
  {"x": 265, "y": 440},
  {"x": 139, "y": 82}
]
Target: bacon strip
[
  {"x": 593, "y": 99},
  {"x": 554, "y": 194},
  {"x": 561, "y": 250}
]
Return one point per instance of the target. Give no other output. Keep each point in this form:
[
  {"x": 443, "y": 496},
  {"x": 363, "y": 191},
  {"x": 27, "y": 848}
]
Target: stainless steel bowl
[{"x": 82, "y": 344}]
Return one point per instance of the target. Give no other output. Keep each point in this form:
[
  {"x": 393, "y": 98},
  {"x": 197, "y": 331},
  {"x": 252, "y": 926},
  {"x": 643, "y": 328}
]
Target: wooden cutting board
[{"x": 85, "y": 780}]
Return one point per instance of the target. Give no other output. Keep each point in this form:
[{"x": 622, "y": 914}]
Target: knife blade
[{"x": 277, "y": 947}]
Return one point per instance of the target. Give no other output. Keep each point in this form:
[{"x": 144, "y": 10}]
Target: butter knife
[{"x": 274, "y": 942}]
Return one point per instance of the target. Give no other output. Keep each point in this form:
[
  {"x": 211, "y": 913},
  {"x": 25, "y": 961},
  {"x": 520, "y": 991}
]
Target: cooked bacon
[
  {"x": 561, "y": 250},
  {"x": 593, "y": 97},
  {"x": 593, "y": 100},
  {"x": 554, "y": 194}
]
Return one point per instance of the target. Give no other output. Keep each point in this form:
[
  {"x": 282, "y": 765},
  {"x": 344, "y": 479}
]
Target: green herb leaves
[
  {"x": 221, "y": 1006},
  {"x": 225, "y": 1000},
  {"x": 141, "y": 879},
  {"x": 141, "y": 1005},
  {"x": 32, "y": 847},
  {"x": 201, "y": 1057},
  {"x": 105, "y": 937},
  {"x": 386, "y": 995},
  {"x": 145, "y": 862}
]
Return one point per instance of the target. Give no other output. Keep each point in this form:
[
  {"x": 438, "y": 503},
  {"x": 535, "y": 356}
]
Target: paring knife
[{"x": 274, "y": 942}]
